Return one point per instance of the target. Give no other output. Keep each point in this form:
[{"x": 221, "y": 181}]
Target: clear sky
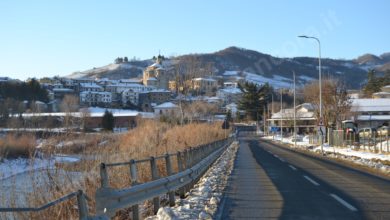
[{"x": 46, "y": 38}]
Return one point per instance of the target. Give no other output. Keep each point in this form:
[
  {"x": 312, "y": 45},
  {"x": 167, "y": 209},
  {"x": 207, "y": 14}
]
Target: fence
[
  {"x": 374, "y": 142},
  {"x": 191, "y": 164},
  {"x": 81, "y": 204}
]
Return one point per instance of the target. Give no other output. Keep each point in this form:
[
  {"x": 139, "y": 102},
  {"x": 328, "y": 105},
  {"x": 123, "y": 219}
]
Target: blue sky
[{"x": 47, "y": 38}]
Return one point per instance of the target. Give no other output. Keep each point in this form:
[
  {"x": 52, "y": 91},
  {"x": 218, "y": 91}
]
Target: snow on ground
[
  {"x": 12, "y": 167},
  {"x": 202, "y": 201},
  {"x": 276, "y": 81},
  {"x": 377, "y": 161}
]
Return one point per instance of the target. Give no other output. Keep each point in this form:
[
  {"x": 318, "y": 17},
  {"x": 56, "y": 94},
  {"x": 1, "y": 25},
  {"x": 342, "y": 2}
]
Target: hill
[{"x": 266, "y": 67}]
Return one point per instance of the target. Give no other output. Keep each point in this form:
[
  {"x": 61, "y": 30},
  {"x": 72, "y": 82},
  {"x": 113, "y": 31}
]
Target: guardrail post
[
  {"x": 103, "y": 175},
  {"x": 180, "y": 166},
  {"x": 134, "y": 181},
  {"x": 168, "y": 165},
  {"x": 153, "y": 166},
  {"x": 82, "y": 205}
]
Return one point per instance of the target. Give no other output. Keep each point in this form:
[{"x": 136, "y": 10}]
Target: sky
[{"x": 47, "y": 38}]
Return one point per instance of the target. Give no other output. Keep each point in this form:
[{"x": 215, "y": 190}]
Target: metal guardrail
[
  {"x": 81, "y": 204},
  {"x": 192, "y": 164}
]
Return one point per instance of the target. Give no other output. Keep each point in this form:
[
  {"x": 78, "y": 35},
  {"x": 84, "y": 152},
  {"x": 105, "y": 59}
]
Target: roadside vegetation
[{"x": 149, "y": 138}]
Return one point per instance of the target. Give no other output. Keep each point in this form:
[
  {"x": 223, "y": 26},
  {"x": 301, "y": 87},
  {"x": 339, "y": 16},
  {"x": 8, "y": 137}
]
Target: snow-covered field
[
  {"x": 202, "y": 201},
  {"x": 377, "y": 161},
  {"x": 12, "y": 167}
]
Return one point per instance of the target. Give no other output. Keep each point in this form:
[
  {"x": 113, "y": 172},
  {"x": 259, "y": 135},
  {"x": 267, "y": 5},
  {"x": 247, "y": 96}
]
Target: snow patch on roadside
[
  {"x": 202, "y": 201},
  {"x": 378, "y": 161}
]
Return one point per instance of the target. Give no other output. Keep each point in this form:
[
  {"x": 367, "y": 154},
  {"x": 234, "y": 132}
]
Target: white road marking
[
  {"x": 311, "y": 180},
  {"x": 343, "y": 202},
  {"x": 292, "y": 167},
  {"x": 276, "y": 156},
  {"x": 281, "y": 159}
]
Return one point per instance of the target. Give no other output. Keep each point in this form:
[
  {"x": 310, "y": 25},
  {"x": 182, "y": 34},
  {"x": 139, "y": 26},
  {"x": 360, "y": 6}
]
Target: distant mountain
[{"x": 250, "y": 63}]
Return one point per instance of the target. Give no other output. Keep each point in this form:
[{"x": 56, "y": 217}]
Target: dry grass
[
  {"x": 150, "y": 138},
  {"x": 14, "y": 146}
]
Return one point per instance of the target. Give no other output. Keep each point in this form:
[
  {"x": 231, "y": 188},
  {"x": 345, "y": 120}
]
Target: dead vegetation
[{"x": 149, "y": 138}]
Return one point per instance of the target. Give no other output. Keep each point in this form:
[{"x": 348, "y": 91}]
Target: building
[
  {"x": 157, "y": 75},
  {"x": 90, "y": 87},
  {"x": 370, "y": 112},
  {"x": 229, "y": 95},
  {"x": 205, "y": 86},
  {"x": 384, "y": 93},
  {"x": 117, "y": 90},
  {"x": 166, "y": 109},
  {"x": 92, "y": 98},
  {"x": 146, "y": 100},
  {"x": 305, "y": 119}
]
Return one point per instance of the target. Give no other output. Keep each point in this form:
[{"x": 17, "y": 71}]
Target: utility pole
[
  {"x": 295, "y": 116},
  {"x": 281, "y": 115}
]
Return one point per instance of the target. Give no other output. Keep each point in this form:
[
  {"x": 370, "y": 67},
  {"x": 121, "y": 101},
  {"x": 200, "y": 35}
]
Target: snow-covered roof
[
  {"x": 166, "y": 105},
  {"x": 231, "y": 90},
  {"x": 62, "y": 90},
  {"x": 373, "y": 118},
  {"x": 231, "y": 105},
  {"x": 90, "y": 85},
  {"x": 93, "y": 112},
  {"x": 371, "y": 105},
  {"x": 126, "y": 85},
  {"x": 230, "y": 73},
  {"x": 93, "y": 92},
  {"x": 157, "y": 65},
  {"x": 130, "y": 80},
  {"x": 204, "y": 79},
  {"x": 288, "y": 114},
  {"x": 381, "y": 93}
]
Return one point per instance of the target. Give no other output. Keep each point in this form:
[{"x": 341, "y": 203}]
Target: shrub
[{"x": 14, "y": 146}]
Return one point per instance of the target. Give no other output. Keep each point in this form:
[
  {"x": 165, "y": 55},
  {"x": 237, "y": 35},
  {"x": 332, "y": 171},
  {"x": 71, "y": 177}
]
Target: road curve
[{"x": 272, "y": 182}]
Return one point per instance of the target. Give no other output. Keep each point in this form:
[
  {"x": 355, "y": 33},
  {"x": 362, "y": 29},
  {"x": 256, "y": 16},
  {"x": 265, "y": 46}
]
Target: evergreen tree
[
  {"x": 229, "y": 116},
  {"x": 253, "y": 99},
  {"x": 108, "y": 121},
  {"x": 225, "y": 124}
]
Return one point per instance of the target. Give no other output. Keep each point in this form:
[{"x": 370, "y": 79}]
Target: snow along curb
[{"x": 202, "y": 201}]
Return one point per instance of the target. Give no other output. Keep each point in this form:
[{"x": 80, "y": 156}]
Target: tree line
[
  {"x": 375, "y": 83},
  {"x": 30, "y": 90}
]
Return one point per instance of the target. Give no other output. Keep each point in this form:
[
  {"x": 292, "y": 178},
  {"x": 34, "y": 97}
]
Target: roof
[
  {"x": 90, "y": 85},
  {"x": 288, "y": 114},
  {"x": 93, "y": 112},
  {"x": 371, "y": 105},
  {"x": 231, "y": 90},
  {"x": 205, "y": 79},
  {"x": 166, "y": 105}
]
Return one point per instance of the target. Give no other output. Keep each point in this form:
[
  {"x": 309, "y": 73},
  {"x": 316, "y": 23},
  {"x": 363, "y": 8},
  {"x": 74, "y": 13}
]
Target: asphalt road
[{"x": 272, "y": 182}]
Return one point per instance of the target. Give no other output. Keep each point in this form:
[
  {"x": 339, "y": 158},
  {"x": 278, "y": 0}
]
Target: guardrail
[
  {"x": 81, "y": 204},
  {"x": 192, "y": 163}
]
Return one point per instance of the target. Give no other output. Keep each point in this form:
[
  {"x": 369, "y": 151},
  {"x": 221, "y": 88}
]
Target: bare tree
[
  {"x": 336, "y": 103},
  {"x": 69, "y": 104}
]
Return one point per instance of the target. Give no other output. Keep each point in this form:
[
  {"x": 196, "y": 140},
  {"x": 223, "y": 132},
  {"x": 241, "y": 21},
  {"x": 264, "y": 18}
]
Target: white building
[
  {"x": 370, "y": 112},
  {"x": 129, "y": 95},
  {"x": 90, "y": 87},
  {"x": 167, "y": 109},
  {"x": 229, "y": 95},
  {"x": 95, "y": 98}
]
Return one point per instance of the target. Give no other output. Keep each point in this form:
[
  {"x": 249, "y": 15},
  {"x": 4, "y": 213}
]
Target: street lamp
[{"x": 320, "y": 83}]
